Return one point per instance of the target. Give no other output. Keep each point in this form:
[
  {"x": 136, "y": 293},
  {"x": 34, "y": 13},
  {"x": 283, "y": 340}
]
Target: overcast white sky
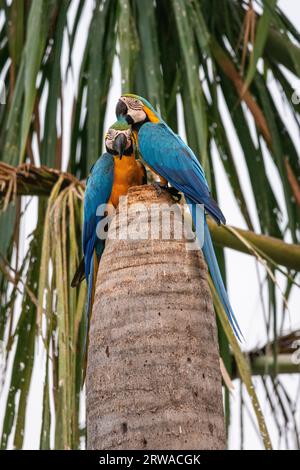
[{"x": 241, "y": 269}]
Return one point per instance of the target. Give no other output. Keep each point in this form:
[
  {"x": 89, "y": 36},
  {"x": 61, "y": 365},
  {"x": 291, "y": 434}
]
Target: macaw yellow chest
[{"x": 127, "y": 172}]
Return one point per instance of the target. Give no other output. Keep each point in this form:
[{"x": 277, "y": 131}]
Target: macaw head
[
  {"x": 135, "y": 110},
  {"x": 118, "y": 139}
]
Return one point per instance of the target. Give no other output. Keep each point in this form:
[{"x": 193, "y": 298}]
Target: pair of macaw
[{"x": 168, "y": 156}]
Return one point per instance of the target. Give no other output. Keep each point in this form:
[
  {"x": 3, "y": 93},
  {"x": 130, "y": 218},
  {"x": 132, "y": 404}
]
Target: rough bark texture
[{"x": 153, "y": 376}]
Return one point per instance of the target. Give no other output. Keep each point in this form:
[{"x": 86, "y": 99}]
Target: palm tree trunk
[{"x": 153, "y": 376}]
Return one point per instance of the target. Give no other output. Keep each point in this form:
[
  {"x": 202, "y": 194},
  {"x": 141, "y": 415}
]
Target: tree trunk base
[{"x": 153, "y": 376}]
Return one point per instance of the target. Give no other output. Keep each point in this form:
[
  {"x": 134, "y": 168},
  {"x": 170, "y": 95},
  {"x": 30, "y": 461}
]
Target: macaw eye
[{"x": 135, "y": 104}]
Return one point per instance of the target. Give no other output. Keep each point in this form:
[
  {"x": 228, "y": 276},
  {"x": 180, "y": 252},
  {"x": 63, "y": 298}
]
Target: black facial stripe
[
  {"x": 136, "y": 107},
  {"x": 138, "y": 125},
  {"x": 128, "y": 151},
  {"x": 129, "y": 120}
]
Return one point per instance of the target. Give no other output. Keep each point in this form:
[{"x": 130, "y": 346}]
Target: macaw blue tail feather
[
  {"x": 89, "y": 307},
  {"x": 211, "y": 260},
  {"x": 212, "y": 263}
]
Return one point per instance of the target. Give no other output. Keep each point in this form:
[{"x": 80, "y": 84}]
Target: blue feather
[
  {"x": 98, "y": 190},
  {"x": 211, "y": 260},
  {"x": 90, "y": 299},
  {"x": 171, "y": 158}
]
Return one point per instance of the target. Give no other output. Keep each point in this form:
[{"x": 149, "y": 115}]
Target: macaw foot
[
  {"x": 159, "y": 187},
  {"x": 164, "y": 187},
  {"x": 174, "y": 193}
]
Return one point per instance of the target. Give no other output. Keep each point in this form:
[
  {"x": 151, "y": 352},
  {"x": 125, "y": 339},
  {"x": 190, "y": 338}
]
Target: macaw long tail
[
  {"x": 89, "y": 307},
  {"x": 79, "y": 274},
  {"x": 91, "y": 290},
  {"x": 211, "y": 260},
  {"x": 212, "y": 263}
]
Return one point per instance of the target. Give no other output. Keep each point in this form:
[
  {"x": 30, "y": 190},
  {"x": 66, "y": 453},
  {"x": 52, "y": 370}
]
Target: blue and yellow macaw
[
  {"x": 167, "y": 155},
  {"x": 110, "y": 177}
]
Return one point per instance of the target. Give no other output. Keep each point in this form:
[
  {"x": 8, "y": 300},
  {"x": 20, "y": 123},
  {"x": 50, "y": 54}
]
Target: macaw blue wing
[
  {"x": 171, "y": 158},
  {"x": 98, "y": 191}
]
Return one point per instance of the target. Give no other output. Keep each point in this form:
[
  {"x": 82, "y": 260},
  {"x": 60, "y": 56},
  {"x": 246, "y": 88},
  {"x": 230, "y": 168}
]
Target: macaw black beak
[
  {"x": 121, "y": 109},
  {"x": 119, "y": 144}
]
